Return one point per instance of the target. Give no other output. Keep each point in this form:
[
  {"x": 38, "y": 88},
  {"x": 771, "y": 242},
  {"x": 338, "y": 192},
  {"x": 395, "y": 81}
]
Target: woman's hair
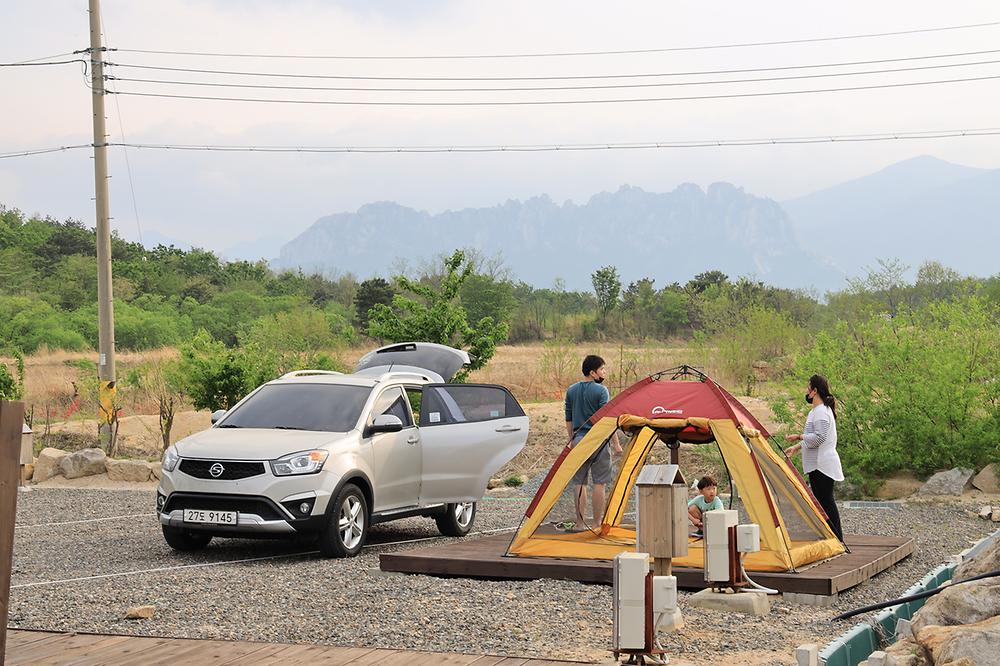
[
  {"x": 822, "y": 386},
  {"x": 705, "y": 482}
]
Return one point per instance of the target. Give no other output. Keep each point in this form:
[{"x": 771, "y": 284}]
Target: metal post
[
  {"x": 11, "y": 420},
  {"x": 105, "y": 304}
]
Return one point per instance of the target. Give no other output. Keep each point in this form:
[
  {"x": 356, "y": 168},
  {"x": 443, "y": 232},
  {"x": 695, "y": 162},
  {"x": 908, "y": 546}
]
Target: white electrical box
[
  {"x": 748, "y": 538},
  {"x": 630, "y": 571},
  {"x": 717, "y": 524},
  {"x": 664, "y": 594}
]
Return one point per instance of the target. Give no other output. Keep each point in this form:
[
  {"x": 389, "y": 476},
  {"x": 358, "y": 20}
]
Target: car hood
[{"x": 252, "y": 443}]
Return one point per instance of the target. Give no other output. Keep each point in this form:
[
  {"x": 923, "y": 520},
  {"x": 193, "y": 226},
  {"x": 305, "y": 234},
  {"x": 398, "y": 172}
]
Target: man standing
[{"x": 583, "y": 399}]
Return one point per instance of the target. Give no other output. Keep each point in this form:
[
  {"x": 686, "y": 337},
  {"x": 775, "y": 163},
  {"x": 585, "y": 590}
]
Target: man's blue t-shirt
[{"x": 582, "y": 400}]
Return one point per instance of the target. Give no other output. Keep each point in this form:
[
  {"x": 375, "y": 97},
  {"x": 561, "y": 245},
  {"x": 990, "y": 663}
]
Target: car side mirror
[
  {"x": 217, "y": 414},
  {"x": 385, "y": 423}
]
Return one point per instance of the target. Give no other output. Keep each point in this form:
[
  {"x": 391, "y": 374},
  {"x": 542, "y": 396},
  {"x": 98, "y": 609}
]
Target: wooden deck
[
  {"x": 42, "y": 647},
  {"x": 484, "y": 558}
]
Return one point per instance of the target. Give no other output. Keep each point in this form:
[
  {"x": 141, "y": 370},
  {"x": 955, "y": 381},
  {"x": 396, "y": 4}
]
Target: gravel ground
[{"x": 299, "y": 597}]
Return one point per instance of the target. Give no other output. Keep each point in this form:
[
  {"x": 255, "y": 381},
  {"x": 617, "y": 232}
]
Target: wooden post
[{"x": 11, "y": 420}]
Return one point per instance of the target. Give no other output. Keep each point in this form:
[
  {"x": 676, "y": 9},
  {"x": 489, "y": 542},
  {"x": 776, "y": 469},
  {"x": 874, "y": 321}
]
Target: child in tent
[{"x": 708, "y": 500}]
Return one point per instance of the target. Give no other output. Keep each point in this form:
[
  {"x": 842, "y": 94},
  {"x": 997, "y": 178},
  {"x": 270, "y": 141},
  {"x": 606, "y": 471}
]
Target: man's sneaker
[
  {"x": 698, "y": 533},
  {"x": 565, "y": 526}
]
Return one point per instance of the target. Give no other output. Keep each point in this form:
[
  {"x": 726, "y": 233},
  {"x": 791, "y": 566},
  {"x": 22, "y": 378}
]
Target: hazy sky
[{"x": 218, "y": 200}]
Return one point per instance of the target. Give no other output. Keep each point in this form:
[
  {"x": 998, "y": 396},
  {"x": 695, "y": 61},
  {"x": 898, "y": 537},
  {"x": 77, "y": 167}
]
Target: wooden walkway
[
  {"x": 484, "y": 558},
  {"x": 46, "y": 648}
]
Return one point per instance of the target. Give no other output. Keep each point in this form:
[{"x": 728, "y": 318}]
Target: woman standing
[{"x": 819, "y": 448}]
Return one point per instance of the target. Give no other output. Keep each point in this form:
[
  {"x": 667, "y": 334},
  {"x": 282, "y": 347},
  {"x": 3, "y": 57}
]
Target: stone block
[
  {"x": 48, "y": 464},
  {"x": 155, "y": 470},
  {"x": 85, "y": 462},
  {"x": 803, "y": 599},
  {"x": 127, "y": 470},
  {"x": 807, "y": 655},
  {"x": 140, "y": 612},
  {"x": 877, "y": 658},
  {"x": 748, "y": 603},
  {"x": 986, "y": 512}
]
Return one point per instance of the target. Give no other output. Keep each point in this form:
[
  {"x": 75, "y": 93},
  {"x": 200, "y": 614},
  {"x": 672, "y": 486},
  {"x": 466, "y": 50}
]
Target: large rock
[
  {"x": 155, "y": 470},
  {"x": 987, "y": 480},
  {"x": 985, "y": 561},
  {"x": 48, "y": 464},
  {"x": 127, "y": 470},
  {"x": 86, "y": 462},
  {"x": 953, "y": 482},
  {"x": 968, "y": 644},
  {"x": 960, "y": 604},
  {"x": 905, "y": 652}
]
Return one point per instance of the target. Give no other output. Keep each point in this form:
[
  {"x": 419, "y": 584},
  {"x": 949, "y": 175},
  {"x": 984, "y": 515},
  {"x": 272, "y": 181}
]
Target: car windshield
[{"x": 320, "y": 407}]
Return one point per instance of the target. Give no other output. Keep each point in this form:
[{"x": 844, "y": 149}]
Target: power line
[
  {"x": 287, "y": 75},
  {"x": 40, "y": 64},
  {"x": 568, "y": 53},
  {"x": 48, "y": 57},
  {"x": 42, "y": 151},
  {"x": 535, "y": 148},
  {"x": 628, "y": 100},
  {"x": 617, "y": 86}
]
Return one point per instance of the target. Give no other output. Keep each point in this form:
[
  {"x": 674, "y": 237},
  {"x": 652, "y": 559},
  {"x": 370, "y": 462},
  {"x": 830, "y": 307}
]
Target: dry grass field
[{"x": 538, "y": 374}]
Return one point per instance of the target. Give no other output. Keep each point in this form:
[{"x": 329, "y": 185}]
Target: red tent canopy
[{"x": 679, "y": 399}]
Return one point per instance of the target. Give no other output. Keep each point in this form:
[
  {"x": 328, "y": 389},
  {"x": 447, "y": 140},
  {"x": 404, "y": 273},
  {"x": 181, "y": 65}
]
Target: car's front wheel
[
  {"x": 185, "y": 540},
  {"x": 348, "y": 526},
  {"x": 456, "y": 520}
]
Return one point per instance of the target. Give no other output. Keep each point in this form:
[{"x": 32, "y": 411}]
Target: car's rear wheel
[
  {"x": 456, "y": 519},
  {"x": 185, "y": 540},
  {"x": 348, "y": 525}
]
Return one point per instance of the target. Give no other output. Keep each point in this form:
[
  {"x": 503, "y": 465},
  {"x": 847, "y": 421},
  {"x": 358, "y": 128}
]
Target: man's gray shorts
[{"x": 598, "y": 466}]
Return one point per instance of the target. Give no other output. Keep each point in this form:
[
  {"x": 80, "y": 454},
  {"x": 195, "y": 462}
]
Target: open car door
[{"x": 467, "y": 432}]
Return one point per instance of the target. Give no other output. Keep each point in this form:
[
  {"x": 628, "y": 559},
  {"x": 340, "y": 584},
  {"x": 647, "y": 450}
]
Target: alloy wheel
[{"x": 352, "y": 522}]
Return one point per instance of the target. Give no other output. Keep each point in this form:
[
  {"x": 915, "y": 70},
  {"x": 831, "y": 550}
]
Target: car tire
[
  {"x": 457, "y": 519},
  {"x": 347, "y": 527},
  {"x": 185, "y": 540}
]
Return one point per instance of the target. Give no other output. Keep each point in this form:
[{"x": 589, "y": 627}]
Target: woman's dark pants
[{"x": 822, "y": 487}]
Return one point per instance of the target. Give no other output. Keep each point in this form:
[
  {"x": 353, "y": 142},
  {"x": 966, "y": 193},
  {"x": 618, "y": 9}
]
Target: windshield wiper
[
  {"x": 284, "y": 427},
  {"x": 228, "y": 425}
]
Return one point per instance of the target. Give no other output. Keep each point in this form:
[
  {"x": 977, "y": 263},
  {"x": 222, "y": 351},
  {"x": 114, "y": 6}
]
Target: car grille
[
  {"x": 231, "y": 469},
  {"x": 242, "y": 504}
]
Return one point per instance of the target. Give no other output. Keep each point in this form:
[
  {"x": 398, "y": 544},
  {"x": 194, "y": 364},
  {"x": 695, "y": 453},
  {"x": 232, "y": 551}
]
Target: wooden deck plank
[
  {"x": 56, "y": 651},
  {"x": 483, "y": 558}
]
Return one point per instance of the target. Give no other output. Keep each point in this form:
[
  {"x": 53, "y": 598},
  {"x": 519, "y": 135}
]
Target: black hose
[{"x": 912, "y": 597}]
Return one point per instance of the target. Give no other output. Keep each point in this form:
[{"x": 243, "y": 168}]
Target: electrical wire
[
  {"x": 616, "y": 86},
  {"x": 569, "y": 53},
  {"x": 534, "y": 148},
  {"x": 287, "y": 75},
  {"x": 558, "y": 102},
  {"x": 48, "y": 57},
  {"x": 29, "y": 63}
]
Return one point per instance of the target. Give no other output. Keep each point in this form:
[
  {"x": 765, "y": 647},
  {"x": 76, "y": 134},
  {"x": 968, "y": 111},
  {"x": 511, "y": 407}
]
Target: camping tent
[{"x": 671, "y": 408}]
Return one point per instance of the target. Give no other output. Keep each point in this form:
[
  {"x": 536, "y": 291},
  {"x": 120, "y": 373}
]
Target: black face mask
[
  {"x": 598, "y": 380},
  {"x": 808, "y": 399}
]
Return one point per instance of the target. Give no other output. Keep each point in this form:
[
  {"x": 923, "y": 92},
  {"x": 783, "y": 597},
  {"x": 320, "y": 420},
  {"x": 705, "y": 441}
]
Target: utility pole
[{"x": 105, "y": 305}]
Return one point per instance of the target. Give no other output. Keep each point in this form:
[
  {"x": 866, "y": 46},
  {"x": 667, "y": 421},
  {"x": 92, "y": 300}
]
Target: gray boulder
[
  {"x": 968, "y": 644},
  {"x": 127, "y": 470},
  {"x": 987, "y": 480},
  {"x": 48, "y": 464},
  {"x": 953, "y": 482},
  {"x": 960, "y": 604},
  {"x": 86, "y": 462}
]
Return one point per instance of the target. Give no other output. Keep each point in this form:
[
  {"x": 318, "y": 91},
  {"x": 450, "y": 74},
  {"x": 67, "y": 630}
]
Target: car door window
[
  {"x": 466, "y": 403},
  {"x": 392, "y": 401},
  {"x": 414, "y": 395}
]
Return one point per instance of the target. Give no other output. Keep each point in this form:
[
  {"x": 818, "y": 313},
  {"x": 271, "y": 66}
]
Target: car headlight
[
  {"x": 170, "y": 458},
  {"x": 303, "y": 462}
]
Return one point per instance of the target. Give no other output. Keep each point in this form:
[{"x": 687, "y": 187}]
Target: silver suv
[{"x": 329, "y": 454}]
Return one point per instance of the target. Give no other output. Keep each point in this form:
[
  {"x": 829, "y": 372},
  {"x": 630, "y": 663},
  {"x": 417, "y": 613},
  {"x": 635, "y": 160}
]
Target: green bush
[{"x": 917, "y": 391}]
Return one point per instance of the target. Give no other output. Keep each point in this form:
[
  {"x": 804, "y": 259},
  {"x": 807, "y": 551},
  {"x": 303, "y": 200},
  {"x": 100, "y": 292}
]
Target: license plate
[{"x": 210, "y": 517}]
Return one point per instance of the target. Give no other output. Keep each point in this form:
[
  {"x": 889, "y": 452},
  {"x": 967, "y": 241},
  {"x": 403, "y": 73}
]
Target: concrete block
[
  {"x": 803, "y": 599},
  {"x": 877, "y": 658},
  {"x": 749, "y": 603},
  {"x": 807, "y": 655},
  {"x": 904, "y": 629}
]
